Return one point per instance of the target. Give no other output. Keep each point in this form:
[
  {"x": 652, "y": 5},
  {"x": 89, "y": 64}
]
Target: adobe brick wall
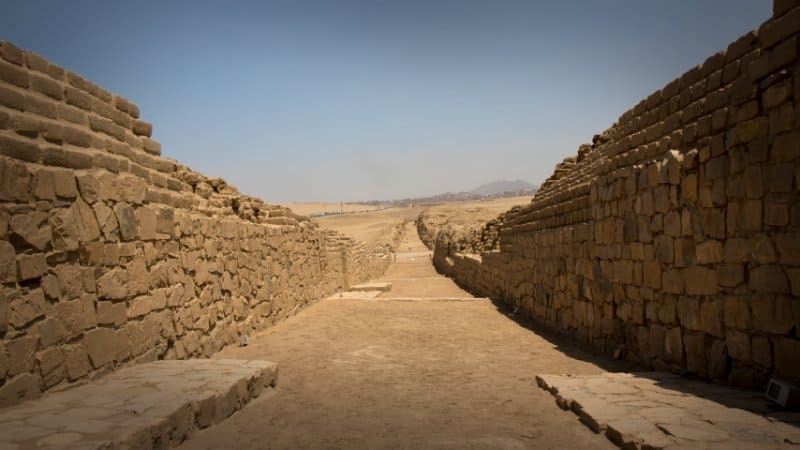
[
  {"x": 675, "y": 236},
  {"x": 111, "y": 254}
]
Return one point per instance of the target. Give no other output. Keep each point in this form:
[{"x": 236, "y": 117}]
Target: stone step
[
  {"x": 661, "y": 410},
  {"x": 375, "y": 286},
  {"x": 152, "y": 405}
]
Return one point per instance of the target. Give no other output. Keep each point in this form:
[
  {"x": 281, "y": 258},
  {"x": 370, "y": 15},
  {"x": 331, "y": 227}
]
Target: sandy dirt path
[{"x": 394, "y": 374}]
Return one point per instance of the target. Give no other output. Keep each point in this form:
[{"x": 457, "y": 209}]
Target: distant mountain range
[
  {"x": 500, "y": 188},
  {"x": 494, "y": 189}
]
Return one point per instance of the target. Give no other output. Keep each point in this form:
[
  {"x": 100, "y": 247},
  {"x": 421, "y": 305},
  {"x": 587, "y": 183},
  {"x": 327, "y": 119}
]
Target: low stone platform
[
  {"x": 376, "y": 286},
  {"x": 653, "y": 410},
  {"x": 152, "y": 405}
]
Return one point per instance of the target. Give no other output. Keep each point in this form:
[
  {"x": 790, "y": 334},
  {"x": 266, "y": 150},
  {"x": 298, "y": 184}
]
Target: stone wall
[
  {"x": 111, "y": 254},
  {"x": 674, "y": 237}
]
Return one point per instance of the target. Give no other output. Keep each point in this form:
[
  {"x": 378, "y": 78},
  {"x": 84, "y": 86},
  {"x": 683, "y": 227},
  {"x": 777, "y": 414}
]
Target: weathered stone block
[
  {"x": 752, "y": 215},
  {"x": 684, "y": 252},
  {"x": 787, "y": 356},
  {"x": 730, "y": 275},
  {"x": 146, "y": 223},
  {"x": 33, "y": 229},
  {"x": 21, "y": 354},
  {"x": 113, "y": 284},
  {"x": 139, "y": 306},
  {"x": 772, "y": 314},
  {"x": 85, "y": 221},
  {"x": 696, "y": 353},
  {"x": 22, "y": 387},
  {"x": 673, "y": 281},
  {"x": 711, "y": 317},
  {"x": 785, "y": 147},
  {"x": 26, "y": 309},
  {"x": 89, "y": 187},
  {"x": 8, "y": 263},
  {"x": 52, "y": 365},
  {"x": 31, "y": 266},
  {"x": 738, "y": 344},
  {"x": 673, "y": 346},
  {"x": 107, "y": 221},
  {"x": 709, "y": 252},
  {"x": 127, "y": 221},
  {"x": 77, "y": 363},
  {"x": 768, "y": 278},
  {"x": 794, "y": 281},
  {"x": 788, "y": 247},
  {"x": 105, "y": 345},
  {"x": 701, "y": 281},
  {"x": 689, "y": 312},
  {"x": 762, "y": 351},
  {"x": 652, "y": 274}
]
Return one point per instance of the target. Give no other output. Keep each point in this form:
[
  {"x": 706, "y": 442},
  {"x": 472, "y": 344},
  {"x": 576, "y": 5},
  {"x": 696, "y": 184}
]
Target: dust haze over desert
[{"x": 451, "y": 224}]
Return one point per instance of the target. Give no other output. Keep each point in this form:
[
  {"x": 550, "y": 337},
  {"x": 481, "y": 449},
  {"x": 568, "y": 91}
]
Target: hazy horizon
[{"x": 368, "y": 100}]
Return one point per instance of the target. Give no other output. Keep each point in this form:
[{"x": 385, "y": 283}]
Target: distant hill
[
  {"x": 495, "y": 189},
  {"x": 501, "y": 187}
]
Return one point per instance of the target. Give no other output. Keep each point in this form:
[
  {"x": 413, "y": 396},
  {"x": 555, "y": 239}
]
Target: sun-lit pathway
[{"x": 431, "y": 368}]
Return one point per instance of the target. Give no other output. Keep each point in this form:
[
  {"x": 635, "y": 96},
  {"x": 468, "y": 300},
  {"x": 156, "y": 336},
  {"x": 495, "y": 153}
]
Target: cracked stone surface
[
  {"x": 151, "y": 405},
  {"x": 658, "y": 410}
]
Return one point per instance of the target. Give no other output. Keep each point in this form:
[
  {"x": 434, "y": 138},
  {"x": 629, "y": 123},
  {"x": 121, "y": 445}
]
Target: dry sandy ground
[
  {"x": 394, "y": 374},
  {"x": 306, "y": 209},
  {"x": 369, "y": 227},
  {"x": 474, "y": 213}
]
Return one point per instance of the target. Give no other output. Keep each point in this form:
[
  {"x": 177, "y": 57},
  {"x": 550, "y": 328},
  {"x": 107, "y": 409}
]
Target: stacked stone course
[
  {"x": 111, "y": 254},
  {"x": 674, "y": 238}
]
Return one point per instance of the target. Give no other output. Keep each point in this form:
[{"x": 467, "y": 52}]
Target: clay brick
[
  {"x": 106, "y": 126},
  {"x": 47, "y": 86},
  {"x": 19, "y": 148},
  {"x": 14, "y": 74},
  {"x": 142, "y": 128},
  {"x": 11, "y": 53},
  {"x": 152, "y": 147},
  {"x": 76, "y": 97},
  {"x": 76, "y": 136}
]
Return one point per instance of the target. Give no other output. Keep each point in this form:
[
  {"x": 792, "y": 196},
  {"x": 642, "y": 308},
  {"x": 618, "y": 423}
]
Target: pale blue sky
[{"x": 357, "y": 100}]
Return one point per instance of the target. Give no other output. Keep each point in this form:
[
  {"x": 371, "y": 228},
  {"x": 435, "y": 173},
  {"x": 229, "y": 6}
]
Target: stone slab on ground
[
  {"x": 659, "y": 410},
  {"x": 375, "y": 286},
  {"x": 355, "y": 295},
  {"x": 152, "y": 405}
]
